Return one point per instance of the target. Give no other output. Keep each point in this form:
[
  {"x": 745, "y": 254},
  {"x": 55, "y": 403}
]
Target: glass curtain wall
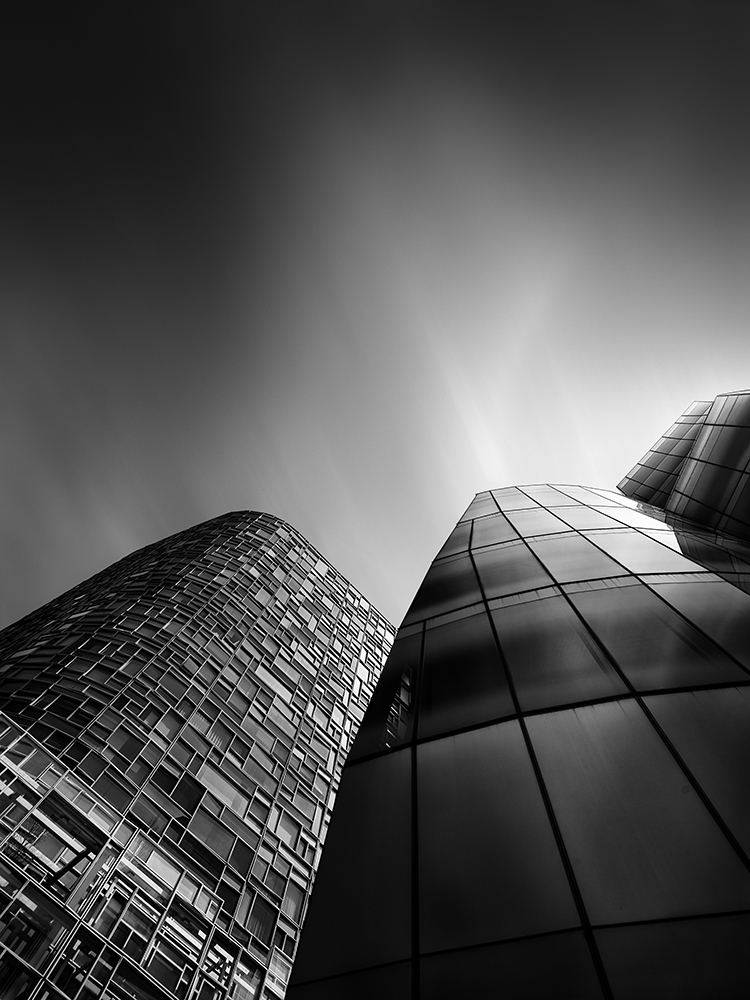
[{"x": 548, "y": 793}]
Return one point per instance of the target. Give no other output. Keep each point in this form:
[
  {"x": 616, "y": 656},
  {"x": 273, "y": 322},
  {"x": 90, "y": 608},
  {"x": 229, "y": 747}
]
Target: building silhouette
[
  {"x": 548, "y": 795},
  {"x": 172, "y": 733}
]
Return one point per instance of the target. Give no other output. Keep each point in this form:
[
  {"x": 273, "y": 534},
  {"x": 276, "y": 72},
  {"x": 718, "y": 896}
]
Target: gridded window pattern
[
  {"x": 655, "y": 476},
  {"x": 714, "y": 485},
  {"x": 700, "y": 469},
  {"x": 548, "y": 793},
  {"x": 171, "y": 743}
]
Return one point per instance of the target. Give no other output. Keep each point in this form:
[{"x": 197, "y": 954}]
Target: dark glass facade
[
  {"x": 548, "y": 795},
  {"x": 172, "y": 734},
  {"x": 701, "y": 468}
]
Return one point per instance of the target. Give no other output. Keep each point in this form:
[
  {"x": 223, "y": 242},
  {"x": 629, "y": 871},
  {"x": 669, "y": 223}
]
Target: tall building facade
[
  {"x": 550, "y": 785},
  {"x": 172, "y": 734}
]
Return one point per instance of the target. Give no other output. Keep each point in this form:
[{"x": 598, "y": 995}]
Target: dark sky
[{"x": 350, "y": 263}]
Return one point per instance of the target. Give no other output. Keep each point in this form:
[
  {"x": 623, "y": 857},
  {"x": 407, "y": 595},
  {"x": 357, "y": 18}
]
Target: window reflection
[
  {"x": 449, "y": 584},
  {"x": 551, "y": 657},
  {"x": 463, "y": 680},
  {"x": 509, "y": 569},
  {"x": 535, "y": 522},
  {"x": 484, "y": 837},
  {"x": 640, "y": 554},
  {"x": 573, "y": 557},
  {"x": 653, "y": 646},
  {"x": 491, "y": 530},
  {"x": 642, "y": 844}
]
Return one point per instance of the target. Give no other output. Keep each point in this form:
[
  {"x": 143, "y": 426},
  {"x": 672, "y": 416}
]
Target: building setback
[
  {"x": 550, "y": 787},
  {"x": 171, "y": 740}
]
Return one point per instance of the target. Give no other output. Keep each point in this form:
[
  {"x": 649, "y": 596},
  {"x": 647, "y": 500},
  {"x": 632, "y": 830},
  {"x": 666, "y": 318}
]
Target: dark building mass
[{"x": 548, "y": 795}]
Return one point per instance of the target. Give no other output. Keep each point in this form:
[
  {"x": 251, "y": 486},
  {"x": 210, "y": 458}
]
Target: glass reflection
[
  {"x": 654, "y": 647},
  {"x": 484, "y": 837},
  {"x": 552, "y": 659},
  {"x": 463, "y": 679},
  {"x": 509, "y": 569},
  {"x": 642, "y": 844}
]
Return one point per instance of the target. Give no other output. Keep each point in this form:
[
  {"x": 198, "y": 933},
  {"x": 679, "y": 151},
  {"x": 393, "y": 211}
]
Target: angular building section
[
  {"x": 172, "y": 733},
  {"x": 701, "y": 468},
  {"x": 548, "y": 794}
]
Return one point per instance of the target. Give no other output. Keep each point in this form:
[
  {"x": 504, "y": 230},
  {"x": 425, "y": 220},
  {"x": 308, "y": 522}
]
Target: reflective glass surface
[
  {"x": 640, "y": 554},
  {"x": 393, "y": 982},
  {"x": 585, "y": 517},
  {"x": 489, "y": 530},
  {"x": 711, "y": 732},
  {"x": 388, "y": 719},
  {"x": 631, "y": 517},
  {"x": 463, "y": 679},
  {"x": 481, "y": 504},
  {"x": 573, "y": 557},
  {"x": 552, "y": 658},
  {"x": 642, "y": 845},
  {"x": 484, "y": 836},
  {"x": 450, "y": 583},
  {"x": 679, "y": 960},
  {"x": 509, "y": 569},
  {"x": 458, "y": 540},
  {"x": 549, "y": 496},
  {"x": 512, "y": 499},
  {"x": 652, "y": 645},
  {"x": 718, "y": 608},
  {"x": 360, "y": 911},
  {"x": 537, "y": 521},
  {"x": 557, "y": 965}
]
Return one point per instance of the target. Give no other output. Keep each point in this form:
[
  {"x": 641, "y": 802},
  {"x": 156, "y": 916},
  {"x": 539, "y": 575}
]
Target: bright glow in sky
[{"x": 352, "y": 263}]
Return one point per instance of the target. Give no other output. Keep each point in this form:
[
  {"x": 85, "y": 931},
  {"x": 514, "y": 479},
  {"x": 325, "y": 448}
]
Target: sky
[{"x": 350, "y": 263}]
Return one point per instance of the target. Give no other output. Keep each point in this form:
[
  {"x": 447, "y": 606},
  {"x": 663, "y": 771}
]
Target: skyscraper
[
  {"x": 550, "y": 785},
  {"x": 171, "y": 740}
]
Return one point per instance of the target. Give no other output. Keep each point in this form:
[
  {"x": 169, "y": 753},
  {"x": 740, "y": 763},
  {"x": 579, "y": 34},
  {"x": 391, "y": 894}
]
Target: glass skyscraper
[
  {"x": 548, "y": 795},
  {"x": 172, "y": 733}
]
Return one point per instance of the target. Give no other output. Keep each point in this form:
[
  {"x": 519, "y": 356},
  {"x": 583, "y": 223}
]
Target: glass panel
[
  {"x": 458, "y": 541},
  {"x": 652, "y": 645},
  {"x": 481, "y": 504},
  {"x": 640, "y": 554},
  {"x": 393, "y": 982},
  {"x": 683, "y": 960},
  {"x": 584, "y": 517},
  {"x": 535, "y": 522},
  {"x": 711, "y": 732},
  {"x": 589, "y": 496},
  {"x": 449, "y": 584},
  {"x": 633, "y": 518},
  {"x": 360, "y": 910},
  {"x": 550, "y": 496},
  {"x": 722, "y": 611},
  {"x": 463, "y": 679},
  {"x": 490, "y": 530},
  {"x": 509, "y": 569},
  {"x": 387, "y": 721},
  {"x": 667, "y": 537},
  {"x": 642, "y": 845},
  {"x": 573, "y": 557},
  {"x": 552, "y": 658},
  {"x": 512, "y": 499},
  {"x": 557, "y": 965},
  {"x": 489, "y": 867}
]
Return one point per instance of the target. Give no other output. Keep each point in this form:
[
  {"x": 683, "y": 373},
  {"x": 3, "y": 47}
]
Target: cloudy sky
[{"x": 350, "y": 263}]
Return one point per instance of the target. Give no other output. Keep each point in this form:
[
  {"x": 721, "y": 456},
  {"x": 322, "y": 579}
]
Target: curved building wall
[
  {"x": 172, "y": 733},
  {"x": 548, "y": 793}
]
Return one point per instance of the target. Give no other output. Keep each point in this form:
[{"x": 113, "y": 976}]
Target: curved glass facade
[
  {"x": 171, "y": 740},
  {"x": 548, "y": 793}
]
